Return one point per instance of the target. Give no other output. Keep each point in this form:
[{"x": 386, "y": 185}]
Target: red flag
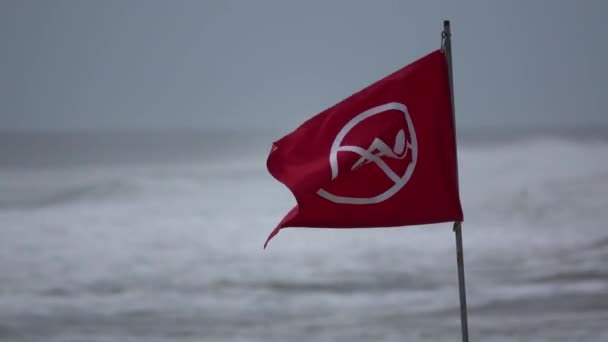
[{"x": 383, "y": 157}]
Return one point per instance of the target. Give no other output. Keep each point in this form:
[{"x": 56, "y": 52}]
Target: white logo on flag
[{"x": 374, "y": 154}]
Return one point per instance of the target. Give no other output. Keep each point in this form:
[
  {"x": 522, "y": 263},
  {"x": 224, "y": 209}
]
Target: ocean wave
[
  {"x": 574, "y": 276},
  {"x": 570, "y": 303},
  {"x": 542, "y": 181},
  {"x": 373, "y": 282},
  {"x": 105, "y": 190}
]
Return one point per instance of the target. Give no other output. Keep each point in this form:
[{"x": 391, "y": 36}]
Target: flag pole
[{"x": 447, "y": 49}]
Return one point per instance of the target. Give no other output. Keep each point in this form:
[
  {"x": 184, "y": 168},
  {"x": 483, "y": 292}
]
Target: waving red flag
[{"x": 383, "y": 157}]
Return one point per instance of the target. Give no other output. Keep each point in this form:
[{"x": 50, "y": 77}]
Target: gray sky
[{"x": 207, "y": 64}]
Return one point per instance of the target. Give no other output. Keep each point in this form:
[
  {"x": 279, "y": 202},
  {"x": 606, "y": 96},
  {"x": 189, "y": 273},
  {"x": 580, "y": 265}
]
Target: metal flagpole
[
  {"x": 447, "y": 49},
  {"x": 463, "y": 296}
]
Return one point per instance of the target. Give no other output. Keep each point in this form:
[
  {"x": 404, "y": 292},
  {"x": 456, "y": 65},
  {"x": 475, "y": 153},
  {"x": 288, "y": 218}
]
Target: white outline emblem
[{"x": 368, "y": 155}]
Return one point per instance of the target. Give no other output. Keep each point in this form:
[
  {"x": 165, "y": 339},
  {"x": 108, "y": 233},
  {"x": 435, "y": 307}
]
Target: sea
[{"x": 157, "y": 237}]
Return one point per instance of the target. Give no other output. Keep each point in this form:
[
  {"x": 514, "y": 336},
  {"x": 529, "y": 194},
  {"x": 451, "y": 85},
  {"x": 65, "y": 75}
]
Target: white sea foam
[{"x": 151, "y": 251}]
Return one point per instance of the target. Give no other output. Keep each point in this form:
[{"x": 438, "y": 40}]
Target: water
[{"x": 158, "y": 237}]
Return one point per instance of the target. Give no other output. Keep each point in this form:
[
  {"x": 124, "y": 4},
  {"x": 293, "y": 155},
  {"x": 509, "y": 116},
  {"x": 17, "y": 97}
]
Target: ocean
[{"x": 158, "y": 236}]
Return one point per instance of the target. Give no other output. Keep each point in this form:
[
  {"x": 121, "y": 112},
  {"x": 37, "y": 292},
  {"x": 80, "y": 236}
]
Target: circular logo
[{"x": 375, "y": 154}]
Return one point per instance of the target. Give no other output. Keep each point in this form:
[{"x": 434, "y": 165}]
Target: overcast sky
[{"x": 108, "y": 64}]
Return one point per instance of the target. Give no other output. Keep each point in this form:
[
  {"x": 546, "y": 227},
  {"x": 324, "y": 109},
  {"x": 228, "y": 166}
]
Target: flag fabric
[{"x": 383, "y": 157}]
